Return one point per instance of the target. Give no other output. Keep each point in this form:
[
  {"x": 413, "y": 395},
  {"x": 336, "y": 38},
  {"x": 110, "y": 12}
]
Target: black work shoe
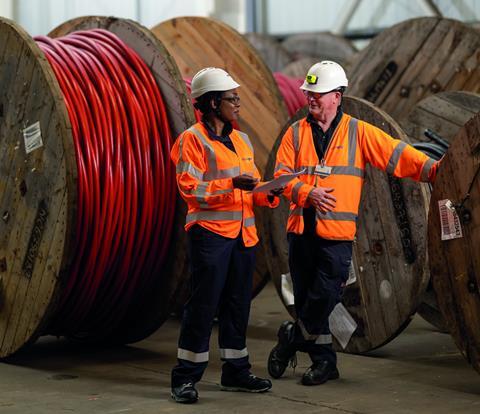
[
  {"x": 246, "y": 383},
  {"x": 185, "y": 393},
  {"x": 283, "y": 352},
  {"x": 319, "y": 373}
]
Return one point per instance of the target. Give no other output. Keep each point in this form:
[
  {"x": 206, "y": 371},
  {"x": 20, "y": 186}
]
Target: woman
[{"x": 215, "y": 175}]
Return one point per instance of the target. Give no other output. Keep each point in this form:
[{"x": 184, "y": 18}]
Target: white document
[
  {"x": 279, "y": 182},
  {"x": 342, "y": 325}
]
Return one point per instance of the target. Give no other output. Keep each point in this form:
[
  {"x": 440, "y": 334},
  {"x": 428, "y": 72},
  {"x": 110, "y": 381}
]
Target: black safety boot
[
  {"x": 283, "y": 352},
  {"x": 185, "y": 393},
  {"x": 319, "y": 373},
  {"x": 246, "y": 383}
]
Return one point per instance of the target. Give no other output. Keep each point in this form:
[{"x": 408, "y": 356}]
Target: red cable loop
[
  {"x": 290, "y": 90},
  {"x": 126, "y": 182}
]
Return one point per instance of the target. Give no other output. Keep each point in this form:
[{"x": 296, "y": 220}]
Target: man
[
  {"x": 215, "y": 173},
  {"x": 334, "y": 148}
]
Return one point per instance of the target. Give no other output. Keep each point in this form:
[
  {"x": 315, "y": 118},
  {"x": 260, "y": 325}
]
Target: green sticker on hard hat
[{"x": 311, "y": 79}]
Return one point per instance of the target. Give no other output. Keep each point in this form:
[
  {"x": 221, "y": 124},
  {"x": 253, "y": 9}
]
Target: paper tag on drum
[
  {"x": 32, "y": 135},
  {"x": 449, "y": 220}
]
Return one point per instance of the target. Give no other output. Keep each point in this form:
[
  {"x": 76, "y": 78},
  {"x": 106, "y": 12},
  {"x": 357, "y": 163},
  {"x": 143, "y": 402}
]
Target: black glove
[{"x": 244, "y": 182}]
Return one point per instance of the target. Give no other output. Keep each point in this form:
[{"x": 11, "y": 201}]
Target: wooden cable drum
[
  {"x": 441, "y": 116},
  {"x": 299, "y": 68},
  {"x": 455, "y": 263},
  {"x": 271, "y": 51},
  {"x": 38, "y": 182},
  {"x": 321, "y": 46},
  {"x": 390, "y": 275},
  {"x": 197, "y": 42},
  {"x": 415, "y": 59}
]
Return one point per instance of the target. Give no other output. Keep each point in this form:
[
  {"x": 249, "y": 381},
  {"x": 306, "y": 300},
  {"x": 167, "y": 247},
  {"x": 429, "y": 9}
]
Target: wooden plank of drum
[{"x": 455, "y": 264}]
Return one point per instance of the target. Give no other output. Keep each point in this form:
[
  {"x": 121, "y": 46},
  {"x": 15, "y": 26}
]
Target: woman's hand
[{"x": 244, "y": 182}]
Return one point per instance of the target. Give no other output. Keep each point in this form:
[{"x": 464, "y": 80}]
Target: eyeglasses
[
  {"x": 317, "y": 95},
  {"x": 235, "y": 100}
]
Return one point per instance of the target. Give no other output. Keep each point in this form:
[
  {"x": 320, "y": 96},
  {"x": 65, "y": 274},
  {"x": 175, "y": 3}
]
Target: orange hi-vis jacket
[
  {"x": 354, "y": 144},
  {"x": 204, "y": 170}
]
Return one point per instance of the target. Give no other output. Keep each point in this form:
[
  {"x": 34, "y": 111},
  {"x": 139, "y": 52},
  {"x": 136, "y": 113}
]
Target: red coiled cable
[
  {"x": 290, "y": 90},
  {"x": 126, "y": 182}
]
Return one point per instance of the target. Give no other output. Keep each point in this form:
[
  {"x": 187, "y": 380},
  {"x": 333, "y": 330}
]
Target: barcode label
[
  {"x": 449, "y": 220},
  {"x": 32, "y": 135}
]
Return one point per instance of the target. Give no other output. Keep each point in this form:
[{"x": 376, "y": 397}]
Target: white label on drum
[
  {"x": 342, "y": 325},
  {"x": 287, "y": 289},
  {"x": 32, "y": 136},
  {"x": 449, "y": 220}
]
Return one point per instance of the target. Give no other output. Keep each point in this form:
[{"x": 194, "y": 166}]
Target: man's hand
[
  {"x": 322, "y": 200},
  {"x": 244, "y": 182}
]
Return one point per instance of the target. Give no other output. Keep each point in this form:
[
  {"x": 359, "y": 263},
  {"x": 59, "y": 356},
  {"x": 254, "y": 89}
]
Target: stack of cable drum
[{"x": 91, "y": 240}]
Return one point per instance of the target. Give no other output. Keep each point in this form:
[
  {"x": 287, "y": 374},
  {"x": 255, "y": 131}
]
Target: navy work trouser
[
  {"x": 221, "y": 279},
  {"x": 319, "y": 269}
]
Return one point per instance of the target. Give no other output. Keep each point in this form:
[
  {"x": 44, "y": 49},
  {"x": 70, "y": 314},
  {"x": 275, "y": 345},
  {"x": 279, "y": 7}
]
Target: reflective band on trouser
[
  {"x": 214, "y": 216},
  {"x": 323, "y": 339},
  {"x": 393, "y": 161},
  {"x": 226, "y": 353},
  {"x": 295, "y": 190},
  {"x": 426, "y": 169},
  {"x": 352, "y": 141},
  {"x": 249, "y": 221},
  {"x": 192, "y": 356},
  {"x": 336, "y": 216}
]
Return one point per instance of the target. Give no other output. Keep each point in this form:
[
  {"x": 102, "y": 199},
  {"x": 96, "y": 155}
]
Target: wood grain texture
[
  {"x": 444, "y": 113},
  {"x": 388, "y": 287},
  {"x": 37, "y": 190},
  {"x": 415, "y": 59},
  {"x": 455, "y": 264},
  {"x": 151, "y": 311}
]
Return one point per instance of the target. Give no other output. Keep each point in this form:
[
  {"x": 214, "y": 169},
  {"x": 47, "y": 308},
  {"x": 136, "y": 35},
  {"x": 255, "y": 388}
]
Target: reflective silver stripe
[
  {"x": 304, "y": 331},
  {"x": 426, "y": 169},
  {"x": 336, "y": 216},
  {"x": 246, "y": 139},
  {"x": 183, "y": 166},
  {"x": 218, "y": 174},
  {"x": 226, "y": 353},
  {"x": 352, "y": 141},
  {"x": 192, "y": 356},
  {"x": 214, "y": 216},
  {"x": 248, "y": 222},
  {"x": 323, "y": 339},
  {"x": 281, "y": 166},
  {"x": 201, "y": 194},
  {"x": 295, "y": 190},
  {"x": 212, "y": 160},
  {"x": 310, "y": 169},
  {"x": 395, "y": 157},
  {"x": 348, "y": 170},
  {"x": 296, "y": 138},
  {"x": 336, "y": 170},
  {"x": 297, "y": 211}
]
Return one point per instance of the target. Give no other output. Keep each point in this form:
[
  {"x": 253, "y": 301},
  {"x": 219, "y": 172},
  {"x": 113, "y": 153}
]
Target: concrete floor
[{"x": 421, "y": 371}]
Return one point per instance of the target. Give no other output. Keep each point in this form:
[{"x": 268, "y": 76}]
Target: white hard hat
[
  {"x": 211, "y": 79},
  {"x": 325, "y": 76}
]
